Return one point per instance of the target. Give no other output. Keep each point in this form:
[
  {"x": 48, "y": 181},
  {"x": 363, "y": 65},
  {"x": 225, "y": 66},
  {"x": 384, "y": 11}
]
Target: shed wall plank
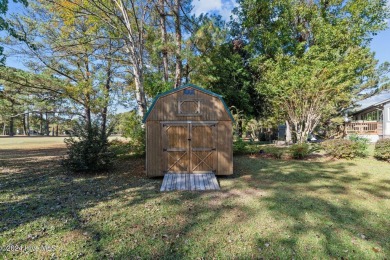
[
  {"x": 225, "y": 148},
  {"x": 153, "y": 149}
]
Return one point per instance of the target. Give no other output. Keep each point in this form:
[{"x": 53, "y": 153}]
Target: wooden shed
[{"x": 189, "y": 130}]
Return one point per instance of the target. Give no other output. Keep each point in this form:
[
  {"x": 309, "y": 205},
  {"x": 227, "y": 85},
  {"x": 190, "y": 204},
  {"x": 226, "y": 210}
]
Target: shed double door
[{"x": 189, "y": 147}]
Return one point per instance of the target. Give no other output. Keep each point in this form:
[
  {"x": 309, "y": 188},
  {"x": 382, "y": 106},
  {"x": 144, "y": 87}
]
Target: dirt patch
[{"x": 132, "y": 166}]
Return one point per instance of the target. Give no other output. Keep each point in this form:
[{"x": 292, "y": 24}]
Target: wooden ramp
[{"x": 178, "y": 181}]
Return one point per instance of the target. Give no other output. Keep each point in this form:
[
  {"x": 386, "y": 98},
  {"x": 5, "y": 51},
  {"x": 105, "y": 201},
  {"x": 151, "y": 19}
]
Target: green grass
[
  {"x": 30, "y": 142},
  {"x": 268, "y": 209},
  {"x": 39, "y": 142}
]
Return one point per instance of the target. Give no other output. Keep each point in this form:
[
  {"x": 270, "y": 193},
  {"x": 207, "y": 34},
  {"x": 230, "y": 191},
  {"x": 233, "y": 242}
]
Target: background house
[{"x": 371, "y": 118}]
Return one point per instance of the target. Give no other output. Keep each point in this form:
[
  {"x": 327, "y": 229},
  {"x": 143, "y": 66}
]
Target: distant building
[{"x": 371, "y": 118}]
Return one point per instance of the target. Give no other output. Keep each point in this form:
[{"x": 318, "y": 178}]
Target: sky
[
  {"x": 221, "y": 7},
  {"x": 380, "y": 43}
]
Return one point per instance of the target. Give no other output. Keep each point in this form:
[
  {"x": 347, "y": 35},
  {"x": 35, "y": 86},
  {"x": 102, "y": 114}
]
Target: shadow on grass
[
  {"x": 34, "y": 187},
  {"x": 317, "y": 203},
  {"x": 268, "y": 208}
]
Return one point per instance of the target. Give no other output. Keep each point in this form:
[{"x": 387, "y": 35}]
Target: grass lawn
[{"x": 268, "y": 208}]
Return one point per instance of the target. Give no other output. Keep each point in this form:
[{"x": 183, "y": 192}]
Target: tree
[
  {"x": 76, "y": 59},
  {"x": 128, "y": 21},
  {"x": 72, "y": 58},
  {"x": 377, "y": 83},
  {"x": 164, "y": 38},
  {"x": 310, "y": 57},
  {"x": 221, "y": 65},
  {"x": 4, "y": 25},
  {"x": 178, "y": 42},
  {"x": 313, "y": 87},
  {"x": 21, "y": 100}
]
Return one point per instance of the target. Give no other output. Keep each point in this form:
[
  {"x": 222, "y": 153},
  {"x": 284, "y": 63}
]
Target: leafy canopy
[{"x": 310, "y": 56}]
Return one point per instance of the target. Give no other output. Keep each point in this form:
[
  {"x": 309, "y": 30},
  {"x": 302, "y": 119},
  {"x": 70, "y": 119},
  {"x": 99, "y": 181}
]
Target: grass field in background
[
  {"x": 36, "y": 142},
  {"x": 319, "y": 208},
  {"x": 30, "y": 142}
]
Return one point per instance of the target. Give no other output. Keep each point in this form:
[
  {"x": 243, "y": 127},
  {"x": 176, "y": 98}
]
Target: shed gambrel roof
[{"x": 181, "y": 88}]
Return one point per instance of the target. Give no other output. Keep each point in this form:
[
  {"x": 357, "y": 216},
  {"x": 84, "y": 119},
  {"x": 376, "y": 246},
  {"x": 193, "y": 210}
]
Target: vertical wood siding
[
  {"x": 189, "y": 147},
  {"x": 225, "y": 148},
  {"x": 153, "y": 149}
]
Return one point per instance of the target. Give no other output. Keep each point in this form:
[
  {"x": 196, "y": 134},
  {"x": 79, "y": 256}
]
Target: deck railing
[{"x": 364, "y": 127}]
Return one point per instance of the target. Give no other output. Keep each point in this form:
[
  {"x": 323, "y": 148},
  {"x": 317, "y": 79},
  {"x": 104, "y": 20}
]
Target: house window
[
  {"x": 189, "y": 107},
  {"x": 190, "y": 92},
  {"x": 370, "y": 116}
]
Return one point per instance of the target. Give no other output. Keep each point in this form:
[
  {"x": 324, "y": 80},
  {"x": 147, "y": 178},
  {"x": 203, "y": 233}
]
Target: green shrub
[
  {"x": 88, "y": 150},
  {"x": 339, "y": 148},
  {"x": 300, "y": 151},
  {"x": 239, "y": 147},
  {"x": 133, "y": 129},
  {"x": 361, "y": 145},
  {"x": 276, "y": 152},
  {"x": 119, "y": 147},
  {"x": 382, "y": 150},
  {"x": 346, "y": 148}
]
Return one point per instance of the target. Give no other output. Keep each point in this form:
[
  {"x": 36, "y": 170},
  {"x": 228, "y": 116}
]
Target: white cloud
[
  {"x": 227, "y": 8},
  {"x": 206, "y": 6},
  {"x": 221, "y": 7}
]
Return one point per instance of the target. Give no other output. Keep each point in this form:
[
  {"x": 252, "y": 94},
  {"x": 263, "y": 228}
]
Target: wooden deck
[
  {"x": 364, "y": 128},
  {"x": 177, "y": 181}
]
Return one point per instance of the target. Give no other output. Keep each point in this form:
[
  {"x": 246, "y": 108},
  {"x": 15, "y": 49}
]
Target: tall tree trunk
[
  {"x": 28, "y": 123},
  {"x": 179, "y": 65},
  {"x": 301, "y": 132},
  {"x": 135, "y": 48},
  {"x": 11, "y": 126},
  {"x": 288, "y": 132},
  {"x": 11, "y": 120},
  {"x": 4, "y": 127},
  {"x": 24, "y": 125},
  {"x": 240, "y": 129},
  {"x": 87, "y": 103},
  {"x": 106, "y": 97},
  {"x": 187, "y": 72},
  {"x": 140, "y": 93},
  {"x": 88, "y": 120},
  {"x": 47, "y": 132},
  {"x": 40, "y": 123},
  {"x": 56, "y": 130},
  {"x": 163, "y": 29},
  {"x": 87, "y": 112}
]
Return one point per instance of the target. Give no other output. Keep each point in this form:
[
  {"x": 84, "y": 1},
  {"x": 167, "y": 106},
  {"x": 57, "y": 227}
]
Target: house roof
[
  {"x": 373, "y": 101},
  {"x": 188, "y": 85}
]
